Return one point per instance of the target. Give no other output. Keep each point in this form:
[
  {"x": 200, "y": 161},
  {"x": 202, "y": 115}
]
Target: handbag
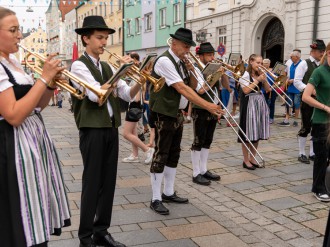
[{"x": 135, "y": 113}]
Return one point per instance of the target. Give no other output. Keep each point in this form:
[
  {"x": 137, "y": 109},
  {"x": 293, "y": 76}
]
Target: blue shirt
[{"x": 292, "y": 88}]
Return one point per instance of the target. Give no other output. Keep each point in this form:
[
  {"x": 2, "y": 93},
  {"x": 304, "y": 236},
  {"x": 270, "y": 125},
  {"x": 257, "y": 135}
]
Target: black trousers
[
  {"x": 306, "y": 112},
  {"x": 321, "y": 150},
  {"x": 168, "y": 135},
  {"x": 99, "y": 150},
  {"x": 204, "y": 124}
]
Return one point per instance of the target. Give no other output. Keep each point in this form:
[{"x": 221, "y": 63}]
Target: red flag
[{"x": 74, "y": 52}]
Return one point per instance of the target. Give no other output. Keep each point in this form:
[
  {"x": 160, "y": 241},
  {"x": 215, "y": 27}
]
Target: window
[
  {"x": 119, "y": 4},
  {"x": 100, "y": 9},
  {"x": 129, "y": 28},
  {"x": 147, "y": 22},
  {"x": 137, "y": 25},
  {"x": 162, "y": 17},
  {"x": 111, "y": 7},
  {"x": 176, "y": 12},
  {"x": 222, "y": 35}
]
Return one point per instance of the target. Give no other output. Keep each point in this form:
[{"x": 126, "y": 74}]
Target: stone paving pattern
[{"x": 261, "y": 208}]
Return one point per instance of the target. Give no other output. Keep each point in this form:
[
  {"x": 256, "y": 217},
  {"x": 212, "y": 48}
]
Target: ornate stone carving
[
  {"x": 265, "y": 6},
  {"x": 273, "y": 34}
]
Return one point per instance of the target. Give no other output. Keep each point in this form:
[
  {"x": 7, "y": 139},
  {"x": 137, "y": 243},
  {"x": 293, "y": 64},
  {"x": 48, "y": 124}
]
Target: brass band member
[
  {"x": 254, "y": 112},
  {"x": 98, "y": 133},
  {"x": 204, "y": 124},
  {"x": 302, "y": 75},
  {"x": 166, "y": 108},
  {"x": 31, "y": 207}
]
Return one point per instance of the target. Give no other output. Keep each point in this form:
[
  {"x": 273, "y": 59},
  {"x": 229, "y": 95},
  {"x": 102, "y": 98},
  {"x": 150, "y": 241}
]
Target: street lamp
[{"x": 29, "y": 9}]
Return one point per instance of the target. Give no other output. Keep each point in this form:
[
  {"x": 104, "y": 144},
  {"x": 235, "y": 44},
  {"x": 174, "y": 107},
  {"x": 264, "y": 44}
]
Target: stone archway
[{"x": 272, "y": 44}]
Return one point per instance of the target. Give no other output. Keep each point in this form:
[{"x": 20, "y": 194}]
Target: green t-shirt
[{"x": 320, "y": 80}]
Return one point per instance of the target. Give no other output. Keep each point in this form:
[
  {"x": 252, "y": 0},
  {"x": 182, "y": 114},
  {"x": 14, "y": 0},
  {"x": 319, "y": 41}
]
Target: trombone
[
  {"x": 277, "y": 80},
  {"x": 63, "y": 83},
  {"x": 135, "y": 73},
  {"x": 229, "y": 115}
]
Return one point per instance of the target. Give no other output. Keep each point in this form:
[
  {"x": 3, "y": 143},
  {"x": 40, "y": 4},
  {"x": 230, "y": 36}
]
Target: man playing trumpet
[
  {"x": 98, "y": 132},
  {"x": 166, "y": 108}
]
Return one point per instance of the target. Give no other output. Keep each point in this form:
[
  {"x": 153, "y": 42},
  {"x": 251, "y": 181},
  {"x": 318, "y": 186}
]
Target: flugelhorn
[
  {"x": 134, "y": 73},
  {"x": 63, "y": 83},
  {"x": 278, "y": 80}
]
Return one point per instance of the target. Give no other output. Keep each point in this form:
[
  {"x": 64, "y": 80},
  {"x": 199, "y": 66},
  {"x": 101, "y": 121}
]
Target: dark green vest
[
  {"x": 311, "y": 66},
  {"x": 89, "y": 114},
  {"x": 166, "y": 101}
]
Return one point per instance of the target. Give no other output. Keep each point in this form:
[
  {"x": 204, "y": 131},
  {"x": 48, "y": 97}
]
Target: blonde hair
[
  {"x": 5, "y": 12},
  {"x": 325, "y": 54},
  {"x": 252, "y": 58}
]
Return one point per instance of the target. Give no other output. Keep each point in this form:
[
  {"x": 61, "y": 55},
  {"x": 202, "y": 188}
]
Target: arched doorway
[{"x": 273, "y": 41}]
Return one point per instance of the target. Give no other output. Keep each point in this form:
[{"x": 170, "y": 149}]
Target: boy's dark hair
[
  {"x": 134, "y": 55},
  {"x": 88, "y": 33}
]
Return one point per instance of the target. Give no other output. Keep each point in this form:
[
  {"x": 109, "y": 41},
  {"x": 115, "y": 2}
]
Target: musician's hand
[
  {"x": 262, "y": 77},
  {"x": 51, "y": 67},
  {"x": 126, "y": 59},
  {"x": 189, "y": 65},
  {"x": 215, "y": 109}
]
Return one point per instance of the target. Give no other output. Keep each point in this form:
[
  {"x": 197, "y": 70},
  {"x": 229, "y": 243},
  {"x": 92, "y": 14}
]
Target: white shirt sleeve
[
  {"x": 299, "y": 75},
  {"x": 244, "y": 80},
  {"x": 165, "y": 68},
  {"x": 80, "y": 70}
]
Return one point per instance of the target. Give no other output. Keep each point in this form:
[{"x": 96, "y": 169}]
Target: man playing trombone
[
  {"x": 166, "y": 108},
  {"x": 98, "y": 132},
  {"x": 204, "y": 123}
]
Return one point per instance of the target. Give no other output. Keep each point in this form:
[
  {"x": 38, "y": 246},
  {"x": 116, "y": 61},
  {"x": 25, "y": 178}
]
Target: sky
[{"x": 28, "y": 20}]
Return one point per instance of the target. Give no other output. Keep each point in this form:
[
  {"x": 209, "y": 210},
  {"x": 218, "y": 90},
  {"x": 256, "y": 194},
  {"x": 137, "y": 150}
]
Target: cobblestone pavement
[{"x": 265, "y": 207}]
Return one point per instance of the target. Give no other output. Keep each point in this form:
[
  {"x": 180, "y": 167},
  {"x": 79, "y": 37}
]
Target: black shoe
[
  {"x": 141, "y": 137},
  {"x": 302, "y": 158},
  {"x": 311, "y": 157},
  {"x": 199, "y": 179},
  {"x": 107, "y": 240},
  {"x": 255, "y": 165},
  {"x": 248, "y": 167},
  {"x": 159, "y": 208},
  {"x": 210, "y": 176},
  {"x": 174, "y": 198}
]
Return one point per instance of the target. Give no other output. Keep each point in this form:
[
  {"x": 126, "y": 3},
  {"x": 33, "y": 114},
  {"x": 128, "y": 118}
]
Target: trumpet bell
[{"x": 158, "y": 84}]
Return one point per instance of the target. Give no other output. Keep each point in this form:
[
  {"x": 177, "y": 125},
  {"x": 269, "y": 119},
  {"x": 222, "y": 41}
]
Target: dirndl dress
[
  {"x": 33, "y": 200},
  {"x": 254, "y": 117}
]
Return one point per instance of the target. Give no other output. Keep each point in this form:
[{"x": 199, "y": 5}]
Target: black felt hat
[
  {"x": 184, "y": 35},
  {"x": 318, "y": 44},
  {"x": 205, "y": 48},
  {"x": 94, "y": 22}
]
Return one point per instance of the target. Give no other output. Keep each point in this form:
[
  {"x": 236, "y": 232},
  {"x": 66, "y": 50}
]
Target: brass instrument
[
  {"x": 278, "y": 81},
  {"x": 199, "y": 63},
  {"x": 134, "y": 73},
  {"x": 64, "y": 84}
]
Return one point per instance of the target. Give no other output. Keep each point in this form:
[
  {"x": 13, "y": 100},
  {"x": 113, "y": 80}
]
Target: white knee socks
[
  {"x": 203, "y": 160},
  {"x": 302, "y": 145},
  {"x": 156, "y": 183},
  {"x": 195, "y": 160},
  {"x": 169, "y": 179}
]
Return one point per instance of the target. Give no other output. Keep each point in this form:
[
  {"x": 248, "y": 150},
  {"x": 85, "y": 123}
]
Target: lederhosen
[
  {"x": 306, "y": 110},
  {"x": 164, "y": 106},
  {"x": 254, "y": 116},
  {"x": 204, "y": 122}
]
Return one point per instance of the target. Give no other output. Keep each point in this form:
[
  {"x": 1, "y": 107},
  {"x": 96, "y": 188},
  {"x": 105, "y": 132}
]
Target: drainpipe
[
  {"x": 316, "y": 18},
  {"x": 184, "y": 13},
  {"x": 123, "y": 32}
]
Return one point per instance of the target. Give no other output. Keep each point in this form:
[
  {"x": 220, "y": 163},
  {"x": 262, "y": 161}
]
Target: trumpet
[
  {"x": 229, "y": 115},
  {"x": 278, "y": 81},
  {"x": 134, "y": 73},
  {"x": 64, "y": 84}
]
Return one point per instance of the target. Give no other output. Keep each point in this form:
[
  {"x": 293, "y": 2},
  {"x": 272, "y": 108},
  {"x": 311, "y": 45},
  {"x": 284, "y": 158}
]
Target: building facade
[
  {"x": 147, "y": 25},
  {"x": 270, "y": 28}
]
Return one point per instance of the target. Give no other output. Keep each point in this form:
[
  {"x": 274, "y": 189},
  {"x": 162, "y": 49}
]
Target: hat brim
[
  {"x": 205, "y": 51},
  {"x": 187, "y": 41},
  {"x": 83, "y": 30}
]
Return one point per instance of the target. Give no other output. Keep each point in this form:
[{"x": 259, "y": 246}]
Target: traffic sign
[{"x": 221, "y": 49}]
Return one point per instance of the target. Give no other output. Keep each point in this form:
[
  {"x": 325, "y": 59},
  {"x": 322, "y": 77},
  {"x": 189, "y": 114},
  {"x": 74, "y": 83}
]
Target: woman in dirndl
[
  {"x": 254, "y": 112},
  {"x": 33, "y": 201}
]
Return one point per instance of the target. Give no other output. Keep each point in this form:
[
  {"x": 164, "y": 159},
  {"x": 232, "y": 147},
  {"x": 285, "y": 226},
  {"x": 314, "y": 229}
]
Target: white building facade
[{"x": 272, "y": 28}]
